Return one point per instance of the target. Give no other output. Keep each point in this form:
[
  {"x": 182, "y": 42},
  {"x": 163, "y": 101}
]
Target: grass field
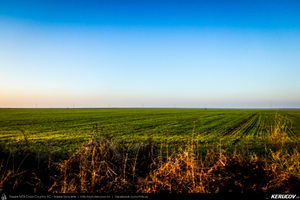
[
  {"x": 149, "y": 150},
  {"x": 65, "y": 128}
]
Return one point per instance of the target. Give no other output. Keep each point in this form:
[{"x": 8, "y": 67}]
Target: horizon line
[{"x": 154, "y": 107}]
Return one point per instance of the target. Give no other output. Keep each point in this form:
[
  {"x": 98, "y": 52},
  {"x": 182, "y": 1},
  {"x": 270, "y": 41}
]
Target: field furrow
[{"x": 60, "y": 128}]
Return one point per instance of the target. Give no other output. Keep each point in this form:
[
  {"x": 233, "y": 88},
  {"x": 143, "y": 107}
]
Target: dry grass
[
  {"x": 229, "y": 173},
  {"x": 99, "y": 166},
  {"x": 279, "y": 131},
  {"x": 96, "y": 167},
  {"x": 288, "y": 162},
  {"x": 12, "y": 178}
]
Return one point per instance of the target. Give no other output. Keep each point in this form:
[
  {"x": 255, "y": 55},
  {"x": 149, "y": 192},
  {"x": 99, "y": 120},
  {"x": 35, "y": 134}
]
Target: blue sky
[{"x": 241, "y": 54}]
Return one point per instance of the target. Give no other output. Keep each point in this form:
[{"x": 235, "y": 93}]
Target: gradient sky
[{"x": 152, "y": 53}]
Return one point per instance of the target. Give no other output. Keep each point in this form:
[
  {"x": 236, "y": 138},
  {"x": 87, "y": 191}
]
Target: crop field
[
  {"x": 149, "y": 150},
  {"x": 66, "y": 128}
]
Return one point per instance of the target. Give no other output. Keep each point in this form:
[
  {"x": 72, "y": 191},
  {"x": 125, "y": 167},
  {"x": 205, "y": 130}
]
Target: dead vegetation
[{"x": 101, "y": 166}]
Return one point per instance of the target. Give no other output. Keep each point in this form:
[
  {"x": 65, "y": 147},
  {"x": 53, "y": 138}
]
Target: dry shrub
[
  {"x": 96, "y": 167},
  {"x": 234, "y": 173},
  {"x": 7, "y": 179},
  {"x": 221, "y": 173},
  {"x": 184, "y": 174},
  {"x": 17, "y": 181},
  {"x": 288, "y": 162},
  {"x": 103, "y": 166},
  {"x": 282, "y": 183},
  {"x": 13, "y": 174},
  {"x": 179, "y": 174},
  {"x": 285, "y": 168}
]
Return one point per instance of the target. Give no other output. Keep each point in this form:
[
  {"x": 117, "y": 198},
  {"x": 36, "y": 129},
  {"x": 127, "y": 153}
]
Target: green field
[
  {"x": 149, "y": 150},
  {"x": 64, "y": 128}
]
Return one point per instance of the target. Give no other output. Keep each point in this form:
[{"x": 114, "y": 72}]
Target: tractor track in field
[
  {"x": 251, "y": 125},
  {"x": 239, "y": 126}
]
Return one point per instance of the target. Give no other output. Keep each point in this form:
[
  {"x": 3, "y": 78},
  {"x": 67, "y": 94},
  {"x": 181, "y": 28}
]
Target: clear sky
[{"x": 152, "y": 53}]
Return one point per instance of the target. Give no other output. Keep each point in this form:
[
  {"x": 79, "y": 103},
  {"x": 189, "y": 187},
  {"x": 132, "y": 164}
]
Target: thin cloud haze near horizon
[{"x": 229, "y": 54}]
